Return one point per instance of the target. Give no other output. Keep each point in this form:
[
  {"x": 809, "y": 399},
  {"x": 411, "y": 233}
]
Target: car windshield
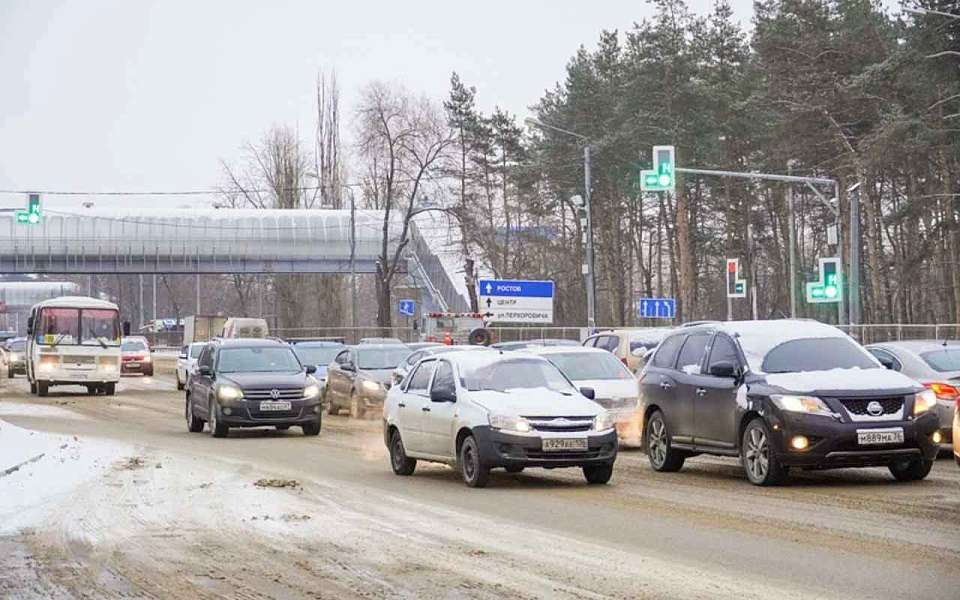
[
  {"x": 133, "y": 346},
  {"x": 258, "y": 359},
  {"x": 579, "y": 366},
  {"x": 317, "y": 355},
  {"x": 71, "y": 326},
  {"x": 505, "y": 375},
  {"x": 817, "y": 354},
  {"x": 195, "y": 350},
  {"x": 946, "y": 359},
  {"x": 381, "y": 358}
]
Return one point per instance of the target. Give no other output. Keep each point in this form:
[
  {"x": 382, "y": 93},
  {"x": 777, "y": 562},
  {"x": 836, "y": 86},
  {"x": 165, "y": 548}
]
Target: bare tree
[{"x": 402, "y": 139}]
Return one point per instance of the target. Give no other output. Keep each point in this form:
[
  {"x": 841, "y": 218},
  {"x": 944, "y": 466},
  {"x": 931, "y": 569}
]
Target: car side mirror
[
  {"x": 29, "y": 325},
  {"x": 588, "y": 393},
  {"x": 443, "y": 395},
  {"x": 205, "y": 371},
  {"x": 724, "y": 369},
  {"x": 311, "y": 369},
  {"x": 349, "y": 367},
  {"x": 182, "y": 356}
]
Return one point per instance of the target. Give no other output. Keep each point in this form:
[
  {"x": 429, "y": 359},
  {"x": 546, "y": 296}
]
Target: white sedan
[{"x": 187, "y": 362}]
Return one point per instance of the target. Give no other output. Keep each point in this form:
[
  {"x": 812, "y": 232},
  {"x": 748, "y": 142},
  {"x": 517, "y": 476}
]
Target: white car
[
  {"x": 187, "y": 362},
  {"x": 615, "y": 388},
  {"x": 486, "y": 410},
  {"x": 404, "y": 368}
]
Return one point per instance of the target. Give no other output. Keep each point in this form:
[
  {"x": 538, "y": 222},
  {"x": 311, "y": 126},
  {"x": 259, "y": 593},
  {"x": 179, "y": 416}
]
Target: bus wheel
[
  {"x": 33, "y": 387},
  {"x": 110, "y": 388},
  {"x": 42, "y": 388}
]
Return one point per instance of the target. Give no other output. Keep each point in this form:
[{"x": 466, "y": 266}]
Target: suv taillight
[{"x": 943, "y": 391}]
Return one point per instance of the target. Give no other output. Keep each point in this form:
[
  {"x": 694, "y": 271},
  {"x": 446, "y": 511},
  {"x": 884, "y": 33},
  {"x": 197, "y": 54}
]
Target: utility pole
[
  {"x": 154, "y": 298},
  {"x": 793, "y": 250},
  {"x": 198, "y": 293},
  {"x": 353, "y": 262},
  {"x": 141, "y": 323},
  {"x": 854, "y": 277},
  {"x": 591, "y": 288}
]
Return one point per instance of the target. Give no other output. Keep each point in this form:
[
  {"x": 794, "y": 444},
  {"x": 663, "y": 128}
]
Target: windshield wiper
[
  {"x": 101, "y": 339},
  {"x": 57, "y": 341}
]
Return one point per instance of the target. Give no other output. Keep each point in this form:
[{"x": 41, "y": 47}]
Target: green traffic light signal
[
  {"x": 827, "y": 288},
  {"x": 661, "y": 177},
  {"x": 33, "y": 214}
]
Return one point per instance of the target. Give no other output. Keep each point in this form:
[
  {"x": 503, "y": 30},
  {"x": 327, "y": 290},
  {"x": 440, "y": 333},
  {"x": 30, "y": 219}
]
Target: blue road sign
[
  {"x": 516, "y": 289},
  {"x": 408, "y": 308},
  {"x": 657, "y": 308}
]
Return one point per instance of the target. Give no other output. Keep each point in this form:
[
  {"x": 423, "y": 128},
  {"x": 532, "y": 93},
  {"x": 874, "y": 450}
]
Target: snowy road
[{"x": 168, "y": 514}]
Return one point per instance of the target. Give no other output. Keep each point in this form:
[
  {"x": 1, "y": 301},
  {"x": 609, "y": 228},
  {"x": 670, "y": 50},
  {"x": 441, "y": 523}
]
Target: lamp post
[{"x": 587, "y": 268}]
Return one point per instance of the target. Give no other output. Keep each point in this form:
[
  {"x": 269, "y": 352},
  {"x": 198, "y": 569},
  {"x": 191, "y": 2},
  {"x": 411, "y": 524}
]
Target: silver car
[{"x": 935, "y": 364}]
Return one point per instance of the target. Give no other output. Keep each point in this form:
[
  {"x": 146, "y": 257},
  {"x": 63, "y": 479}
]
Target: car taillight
[{"x": 944, "y": 391}]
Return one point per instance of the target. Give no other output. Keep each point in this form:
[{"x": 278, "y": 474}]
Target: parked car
[
  {"x": 534, "y": 343},
  {"x": 380, "y": 340},
  {"x": 187, "y": 362},
  {"x": 320, "y": 354},
  {"x": 407, "y": 364},
  {"x": 935, "y": 364},
  {"x": 780, "y": 395},
  {"x": 422, "y": 345},
  {"x": 16, "y": 356},
  {"x": 629, "y": 345},
  {"x": 248, "y": 382},
  {"x": 615, "y": 387},
  {"x": 359, "y": 377},
  {"x": 956, "y": 432},
  {"x": 487, "y": 410},
  {"x": 135, "y": 356}
]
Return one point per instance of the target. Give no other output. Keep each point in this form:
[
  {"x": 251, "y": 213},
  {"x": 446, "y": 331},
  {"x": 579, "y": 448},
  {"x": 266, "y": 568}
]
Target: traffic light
[
  {"x": 31, "y": 216},
  {"x": 827, "y": 289},
  {"x": 736, "y": 287},
  {"x": 662, "y": 178}
]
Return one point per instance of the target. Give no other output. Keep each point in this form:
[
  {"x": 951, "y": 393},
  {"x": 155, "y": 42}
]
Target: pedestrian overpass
[{"x": 219, "y": 241}]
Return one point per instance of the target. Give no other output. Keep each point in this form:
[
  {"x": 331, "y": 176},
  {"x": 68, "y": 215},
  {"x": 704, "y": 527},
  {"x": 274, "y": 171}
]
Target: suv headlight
[
  {"x": 603, "y": 422},
  {"x": 810, "y": 405},
  {"x": 509, "y": 423},
  {"x": 924, "y": 401},
  {"x": 311, "y": 391},
  {"x": 229, "y": 392},
  {"x": 371, "y": 386}
]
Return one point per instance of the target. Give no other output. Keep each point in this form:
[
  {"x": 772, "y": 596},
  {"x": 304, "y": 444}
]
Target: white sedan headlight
[
  {"x": 924, "y": 401},
  {"x": 810, "y": 405},
  {"x": 311, "y": 391},
  {"x": 603, "y": 422},
  {"x": 229, "y": 392},
  {"x": 510, "y": 423},
  {"x": 372, "y": 386}
]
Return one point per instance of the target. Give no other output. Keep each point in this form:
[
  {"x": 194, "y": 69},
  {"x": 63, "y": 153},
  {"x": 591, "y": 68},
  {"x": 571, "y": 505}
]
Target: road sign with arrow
[{"x": 513, "y": 301}]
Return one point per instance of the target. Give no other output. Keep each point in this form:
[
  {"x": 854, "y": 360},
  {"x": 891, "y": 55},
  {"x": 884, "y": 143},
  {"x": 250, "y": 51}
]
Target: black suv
[
  {"x": 252, "y": 383},
  {"x": 782, "y": 394}
]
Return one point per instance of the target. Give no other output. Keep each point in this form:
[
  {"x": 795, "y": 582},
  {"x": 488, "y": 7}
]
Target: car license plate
[
  {"x": 275, "y": 406},
  {"x": 871, "y": 437},
  {"x": 133, "y": 365},
  {"x": 561, "y": 444}
]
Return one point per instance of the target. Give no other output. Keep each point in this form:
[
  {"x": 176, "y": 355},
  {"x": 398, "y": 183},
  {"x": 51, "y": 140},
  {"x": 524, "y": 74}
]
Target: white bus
[{"x": 73, "y": 340}]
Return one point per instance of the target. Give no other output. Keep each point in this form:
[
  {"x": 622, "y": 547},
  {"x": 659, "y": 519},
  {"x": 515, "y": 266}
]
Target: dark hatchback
[
  {"x": 252, "y": 383},
  {"x": 780, "y": 395}
]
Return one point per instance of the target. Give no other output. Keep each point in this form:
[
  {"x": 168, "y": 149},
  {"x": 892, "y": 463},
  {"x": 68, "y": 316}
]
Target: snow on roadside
[{"x": 39, "y": 470}]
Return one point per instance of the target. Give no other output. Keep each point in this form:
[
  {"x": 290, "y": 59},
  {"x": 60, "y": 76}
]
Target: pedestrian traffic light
[
  {"x": 661, "y": 178},
  {"x": 31, "y": 216},
  {"x": 827, "y": 289},
  {"x": 736, "y": 287}
]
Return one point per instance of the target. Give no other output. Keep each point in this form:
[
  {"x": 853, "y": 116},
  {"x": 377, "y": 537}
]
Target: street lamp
[
  {"x": 587, "y": 268},
  {"x": 927, "y": 11}
]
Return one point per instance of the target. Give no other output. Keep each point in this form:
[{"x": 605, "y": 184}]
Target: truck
[
  {"x": 200, "y": 328},
  {"x": 456, "y": 328}
]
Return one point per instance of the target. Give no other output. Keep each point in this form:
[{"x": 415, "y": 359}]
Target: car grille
[
  {"x": 267, "y": 394},
  {"x": 274, "y": 415},
  {"x": 78, "y": 359},
  {"x": 858, "y": 406},
  {"x": 561, "y": 424}
]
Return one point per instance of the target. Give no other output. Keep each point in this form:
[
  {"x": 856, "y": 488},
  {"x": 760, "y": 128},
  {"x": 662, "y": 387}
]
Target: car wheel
[
  {"x": 194, "y": 423},
  {"x": 180, "y": 385},
  {"x": 356, "y": 407},
  {"x": 399, "y": 461},
  {"x": 91, "y": 390},
  {"x": 475, "y": 473},
  {"x": 10, "y": 373},
  {"x": 911, "y": 470},
  {"x": 217, "y": 429},
  {"x": 661, "y": 454},
  {"x": 514, "y": 469},
  {"x": 311, "y": 429},
  {"x": 148, "y": 373},
  {"x": 598, "y": 474},
  {"x": 42, "y": 388},
  {"x": 332, "y": 409},
  {"x": 760, "y": 460},
  {"x": 110, "y": 389}
]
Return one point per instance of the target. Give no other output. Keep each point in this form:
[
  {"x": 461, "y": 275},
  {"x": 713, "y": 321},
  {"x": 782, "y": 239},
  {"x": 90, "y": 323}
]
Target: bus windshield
[{"x": 78, "y": 326}]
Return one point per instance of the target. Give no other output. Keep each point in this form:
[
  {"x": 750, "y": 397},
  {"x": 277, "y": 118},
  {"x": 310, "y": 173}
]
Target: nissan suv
[
  {"x": 780, "y": 395},
  {"x": 247, "y": 382}
]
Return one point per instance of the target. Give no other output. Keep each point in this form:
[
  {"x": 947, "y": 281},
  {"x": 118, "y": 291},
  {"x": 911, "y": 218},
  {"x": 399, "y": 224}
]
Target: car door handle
[
  {"x": 425, "y": 409},
  {"x": 402, "y": 405},
  {"x": 665, "y": 385},
  {"x": 701, "y": 391}
]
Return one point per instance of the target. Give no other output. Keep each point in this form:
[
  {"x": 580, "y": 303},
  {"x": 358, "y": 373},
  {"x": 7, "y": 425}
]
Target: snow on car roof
[
  {"x": 544, "y": 350},
  {"x": 757, "y": 338}
]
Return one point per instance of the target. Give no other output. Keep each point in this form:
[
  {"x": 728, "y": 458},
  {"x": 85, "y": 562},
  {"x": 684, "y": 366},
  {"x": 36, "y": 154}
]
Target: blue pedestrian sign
[
  {"x": 408, "y": 308},
  {"x": 516, "y": 301},
  {"x": 657, "y": 308}
]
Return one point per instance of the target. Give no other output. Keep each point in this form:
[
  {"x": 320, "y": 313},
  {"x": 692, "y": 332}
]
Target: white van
[
  {"x": 73, "y": 340},
  {"x": 245, "y": 327}
]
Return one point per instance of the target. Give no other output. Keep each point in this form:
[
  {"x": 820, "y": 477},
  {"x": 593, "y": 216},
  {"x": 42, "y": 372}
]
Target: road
[{"x": 180, "y": 516}]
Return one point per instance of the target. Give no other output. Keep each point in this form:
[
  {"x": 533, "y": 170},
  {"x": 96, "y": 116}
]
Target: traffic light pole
[{"x": 591, "y": 289}]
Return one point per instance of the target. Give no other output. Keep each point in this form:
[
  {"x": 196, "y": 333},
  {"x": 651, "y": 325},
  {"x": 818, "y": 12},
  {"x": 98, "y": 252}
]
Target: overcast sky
[{"x": 151, "y": 95}]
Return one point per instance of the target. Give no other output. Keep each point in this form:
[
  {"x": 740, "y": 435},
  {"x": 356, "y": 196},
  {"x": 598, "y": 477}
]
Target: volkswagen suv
[
  {"x": 251, "y": 383},
  {"x": 781, "y": 395}
]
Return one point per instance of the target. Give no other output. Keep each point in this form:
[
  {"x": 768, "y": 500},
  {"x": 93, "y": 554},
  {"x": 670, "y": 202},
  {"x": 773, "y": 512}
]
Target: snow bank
[
  {"x": 39, "y": 470},
  {"x": 842, "y": 380}
]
